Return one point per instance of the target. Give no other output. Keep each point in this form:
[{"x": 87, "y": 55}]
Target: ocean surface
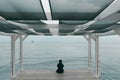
[{"x": 44, "y": 53}]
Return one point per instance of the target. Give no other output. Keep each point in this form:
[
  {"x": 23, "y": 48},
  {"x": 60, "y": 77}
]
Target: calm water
[{"x": 45, "y": 55}]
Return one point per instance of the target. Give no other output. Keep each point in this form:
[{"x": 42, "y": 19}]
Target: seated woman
[{"x": 60, "y": 67}]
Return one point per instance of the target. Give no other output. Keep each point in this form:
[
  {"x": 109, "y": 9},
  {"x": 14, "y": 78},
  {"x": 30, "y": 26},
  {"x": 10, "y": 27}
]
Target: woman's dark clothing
[{"x": 60, "y": 68}]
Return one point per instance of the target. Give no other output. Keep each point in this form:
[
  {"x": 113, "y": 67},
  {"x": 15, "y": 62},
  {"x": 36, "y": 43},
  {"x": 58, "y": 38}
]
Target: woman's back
[{"x": 60, "y": 67}]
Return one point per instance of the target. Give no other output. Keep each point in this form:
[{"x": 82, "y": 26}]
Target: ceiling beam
[
  {"x": 47, "y": 10},
  {"x": 46, "y": 7},
  {"x": 52, "y": 25}
]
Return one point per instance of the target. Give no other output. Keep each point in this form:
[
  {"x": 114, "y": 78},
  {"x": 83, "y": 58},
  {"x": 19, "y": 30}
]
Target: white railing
[
  {"x": 50, "y": 63},
  {"x": 107, "y": 72}
]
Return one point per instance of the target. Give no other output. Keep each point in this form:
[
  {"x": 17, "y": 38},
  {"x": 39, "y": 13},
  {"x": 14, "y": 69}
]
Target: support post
[
  {"x": 13, "y": 55},
  {"x": 89, "y": 52},
  {"x": 21, "y": 53},
  {"x": 88, "y": 38},
  {"x": 97, "y": 61}
]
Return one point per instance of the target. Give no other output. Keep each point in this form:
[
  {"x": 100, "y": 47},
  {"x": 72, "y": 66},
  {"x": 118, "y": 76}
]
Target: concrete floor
[{"x": 50, "y": 75}]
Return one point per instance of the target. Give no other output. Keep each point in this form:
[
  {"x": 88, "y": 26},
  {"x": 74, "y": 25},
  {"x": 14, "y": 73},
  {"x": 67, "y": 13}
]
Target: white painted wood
[
  {"x": 22, "y": 38},
  {"x": 97, "y": 61},
  {"x": 21, "y": 53},
  {"x": 89, "y": 52},
  {"x": 52, "y": 75},
  {"x": 13, "y": 55}
]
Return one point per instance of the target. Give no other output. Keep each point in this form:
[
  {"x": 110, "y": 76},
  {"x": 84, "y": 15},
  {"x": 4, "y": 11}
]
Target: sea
[{"x": 45, "y": 52}]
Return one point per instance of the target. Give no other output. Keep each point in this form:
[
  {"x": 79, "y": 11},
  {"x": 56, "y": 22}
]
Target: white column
[
  {"x": 89, "y": 52},
  {"x": 97, "y": 61},
  {"x": 21, "y": 53},
  {"x": 12, "y": 55},
  {"x": 22, "y": 38}
]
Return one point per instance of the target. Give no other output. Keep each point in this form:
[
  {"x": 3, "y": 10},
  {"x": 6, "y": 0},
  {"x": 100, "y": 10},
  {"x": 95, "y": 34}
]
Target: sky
[{"x": 62, "y": 39}]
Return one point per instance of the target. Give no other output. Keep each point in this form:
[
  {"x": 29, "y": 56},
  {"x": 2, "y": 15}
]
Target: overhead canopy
[
  {"x": 77, "y": 9},
  {"x": 60, "y": 17},
  {"x": 21, "y": 9}
]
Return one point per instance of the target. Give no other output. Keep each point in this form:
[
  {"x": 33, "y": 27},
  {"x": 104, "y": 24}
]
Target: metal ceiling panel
[
  {"x": 77, "y": 9},
  {"x": 72, "y": 22},
  {"x": 21, "y": 9},
  {"x": 4, "y": 25},
  {"x": 80, "y": 33},
  {"x": 28, "y": 32},
  {"x": 101, "y": 25},
  {"x": 101, "y": 31},
  {"x": 42, "y": 30},
  {"x": 8, "y": 31},
  {"x": 66, "y": 30},
  {"x": 32, "y": 22}
]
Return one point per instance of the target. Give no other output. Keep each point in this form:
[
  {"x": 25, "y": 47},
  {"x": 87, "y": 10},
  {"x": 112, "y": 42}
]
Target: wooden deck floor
[{"x": 50, "y": 75}]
